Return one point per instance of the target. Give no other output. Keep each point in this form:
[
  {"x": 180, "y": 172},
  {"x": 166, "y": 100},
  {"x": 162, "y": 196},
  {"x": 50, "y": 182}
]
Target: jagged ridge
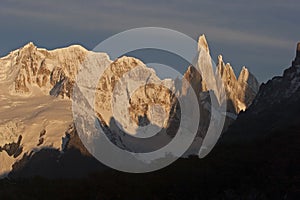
[{"x": 37, "y": 73}]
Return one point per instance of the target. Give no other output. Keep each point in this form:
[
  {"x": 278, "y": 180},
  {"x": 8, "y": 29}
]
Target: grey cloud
[{"x": 244, "y": 25}]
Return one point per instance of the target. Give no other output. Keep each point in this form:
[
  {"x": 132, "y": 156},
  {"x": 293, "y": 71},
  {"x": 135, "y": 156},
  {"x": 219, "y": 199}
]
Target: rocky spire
[
  {"x": 202, "y": 43},
  {"x": 298, "y": 50},
  {"x": 296, "y": 62}
]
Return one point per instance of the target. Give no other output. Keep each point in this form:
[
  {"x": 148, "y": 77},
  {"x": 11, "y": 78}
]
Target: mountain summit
[{"x": 296, "y": 62}]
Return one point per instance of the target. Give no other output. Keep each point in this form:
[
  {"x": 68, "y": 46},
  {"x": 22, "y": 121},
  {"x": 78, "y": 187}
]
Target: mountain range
[
  {"x": 36, "y": 105},
  {"x": 256, "y": 157}
]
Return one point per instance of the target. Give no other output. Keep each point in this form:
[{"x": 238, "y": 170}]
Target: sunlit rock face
[
  {"x": 51, "y": 71},
  {"x": 240, "y": 91},
  {"x": 132, "y": 94},
  {"x": 153, "y": 101}
]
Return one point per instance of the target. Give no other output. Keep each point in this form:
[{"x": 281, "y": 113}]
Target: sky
[{"x": 260, "y": 35}]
